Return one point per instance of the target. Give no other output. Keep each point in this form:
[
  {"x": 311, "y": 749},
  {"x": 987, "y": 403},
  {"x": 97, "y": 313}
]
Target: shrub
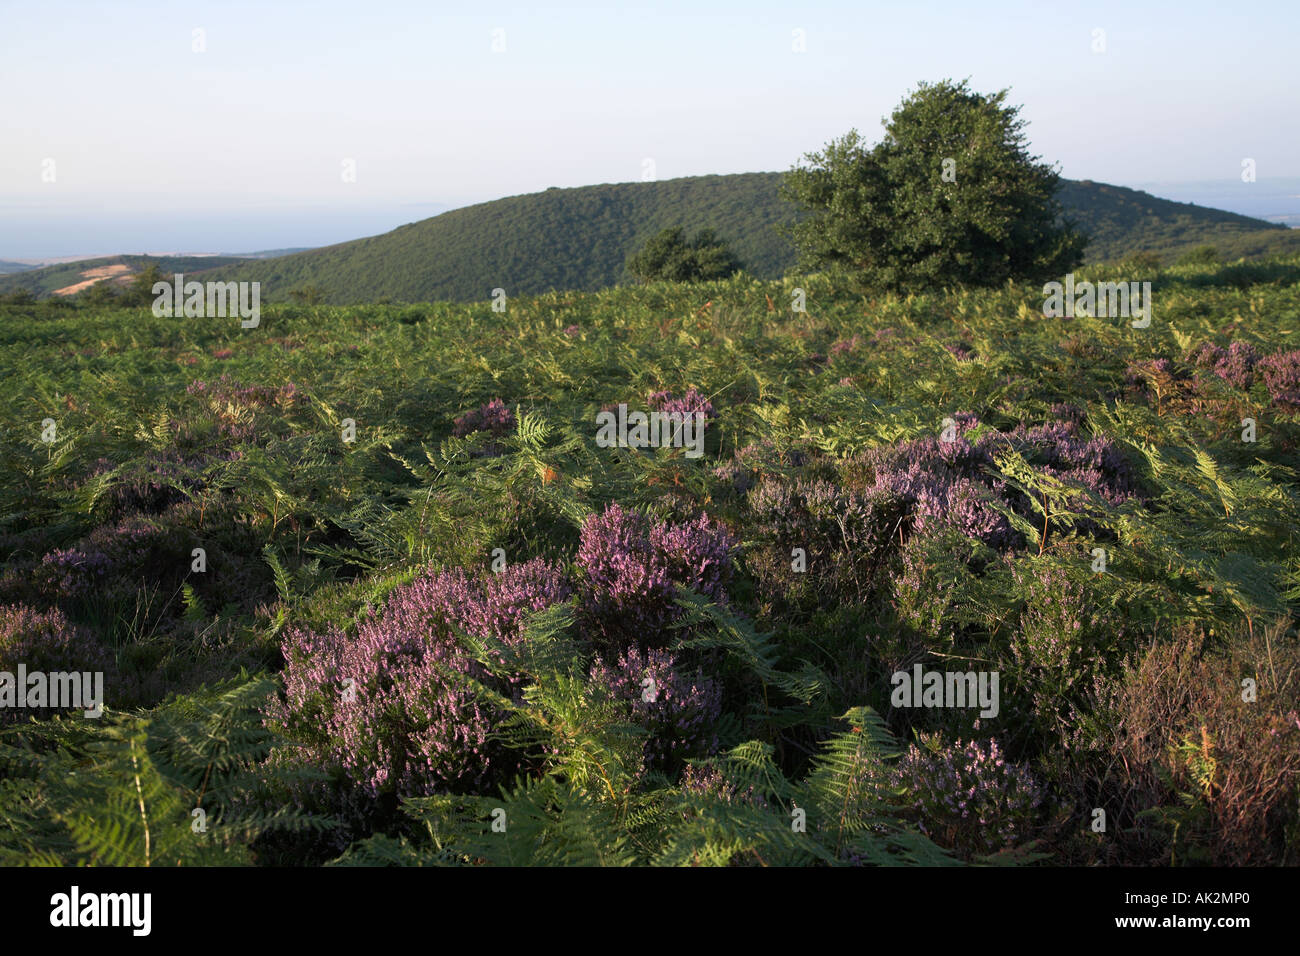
[
  {"x": 966, "y": 796},
  {"x": 407, "y": 724},
  {"x": 845, "y": 537},
  {"x": 690, "y": 403},
  {"x": 944, "y": 484},
  {"x": 631, "y": 569},
  {"x": 45, "y": 641},
  {"x": 1175, "y": 743},
  {"x": 679, "y": 710},
  {"x": 494, "y": 417},
  {"x": 670, "y": 257},
  {"x": 1053, "y": 653},
  {"x": 116, "y": 562},
  {"x": 1281, "y": 374}
]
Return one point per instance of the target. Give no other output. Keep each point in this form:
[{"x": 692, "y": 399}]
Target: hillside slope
[
  {"x": 558, "y": 239},
  {"x": 52, "y": 280},
  {"x": 579, "y": 239}
]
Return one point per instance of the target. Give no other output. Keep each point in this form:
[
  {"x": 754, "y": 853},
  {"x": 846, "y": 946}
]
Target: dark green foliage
[
  {"x": 949, "y": 196},
  {"x": 123, "y": 790},
  {"x": 1123, "y": 223},
  {"x": 670, "y": 257}
]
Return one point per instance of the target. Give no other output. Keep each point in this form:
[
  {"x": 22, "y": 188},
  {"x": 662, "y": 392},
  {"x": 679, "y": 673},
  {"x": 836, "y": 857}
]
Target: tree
[
  {"x": 949, "y": 196},
  {"x": 669, "y": 257},
  {"x": 307, "y": 295},
  {"x": 140, "y": 292},
  {"x": 1200, "y": 256},
  {"x": 101, "y": 293}
]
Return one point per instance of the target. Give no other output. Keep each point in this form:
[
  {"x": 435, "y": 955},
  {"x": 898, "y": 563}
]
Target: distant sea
[
  {"x": 1277, "y": 200},
  {"x": 29, "y": 231}
]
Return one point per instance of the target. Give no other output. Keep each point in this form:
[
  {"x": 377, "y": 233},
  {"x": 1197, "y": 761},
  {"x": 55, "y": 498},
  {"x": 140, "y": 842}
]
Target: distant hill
[
  {"x": 7, "y": 268},
  {"x": 50, "y": 280},
  {"x": 1125, "y": 221},
  {"x": 558, "y": 239},
  {"x": 579, "y": 239}
]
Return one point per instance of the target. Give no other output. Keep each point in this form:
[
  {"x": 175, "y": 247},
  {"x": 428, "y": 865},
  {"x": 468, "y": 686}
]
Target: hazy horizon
[{"x": 1276, "y": 200}]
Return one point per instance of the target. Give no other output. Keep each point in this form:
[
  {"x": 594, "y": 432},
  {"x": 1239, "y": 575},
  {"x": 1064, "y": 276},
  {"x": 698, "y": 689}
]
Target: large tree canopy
[{"x": 949, "y": 196}]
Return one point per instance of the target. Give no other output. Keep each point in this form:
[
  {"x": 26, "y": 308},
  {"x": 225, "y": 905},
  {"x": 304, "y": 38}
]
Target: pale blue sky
[{"x": 143, "y": 129}]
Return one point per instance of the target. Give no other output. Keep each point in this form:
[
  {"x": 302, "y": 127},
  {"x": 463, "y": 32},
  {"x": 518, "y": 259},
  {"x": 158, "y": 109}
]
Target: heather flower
[
  {"x": 688, "y": 404},
  {"x": 961, "y": 351},
  {"x": 67, "y": 572},
  {"x": 631, "y": 569},
  {"x": 844, "y": 347},
  {"x": 1206, "y": 355},
  {"x": 1237, "y": 367},
  {"x": 945, "y": 484},
  {"x": 45, "y": 641},
  {"x": 572, "y": 331},
  {"x": 707, "y": 780},
  {"x": 955, "y": 484},
  {"x": 964, "y": 505},
  {"x": 680, "y": 711},
  {"x": 390, "y": 706},
  {"x": 227, "y": 391},
  {"x": 1281, "y": 375},
  {"x": 1058, "y": 450},
  {"x": 968, "y": 796},
  {"x": 115, "y": 561},
  {"x": 494, "y": 417}
]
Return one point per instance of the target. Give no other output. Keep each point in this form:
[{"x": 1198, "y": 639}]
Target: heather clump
[
  {"x": 630, "y": 569},
  {"x": 750, "y": 463},
  {"x": 678, "y": 708},
  {"x": 1236, "y": 366},
  {"x": 390, "y": 706},
  {"x": 45, "y": 641},
  {"x": 707, "y": 780},
  {"x": 1198, "y": 747},
  {"x": 116, "y": 561},
  {"x": 238, "y": 410},
  {"x": 821, "y": 544},
  {"x": 689, "y": 403},
  {"x": 844, "y": 347},
  {"x": 494, "y": 418},
  {"x": 1281, "y": 376},
  {"x": 967, "y": 796},
  {"x": 945, "y": 484},
  {"x": 924, "y": 594},
  {"x": 1059, "y": 450},
  {"x": 227, "y": 391},
  {"x": 1054, "y": 650}
]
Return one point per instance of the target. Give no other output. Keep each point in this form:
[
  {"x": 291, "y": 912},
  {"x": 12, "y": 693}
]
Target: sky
[{"x": 229, "y": 126}]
